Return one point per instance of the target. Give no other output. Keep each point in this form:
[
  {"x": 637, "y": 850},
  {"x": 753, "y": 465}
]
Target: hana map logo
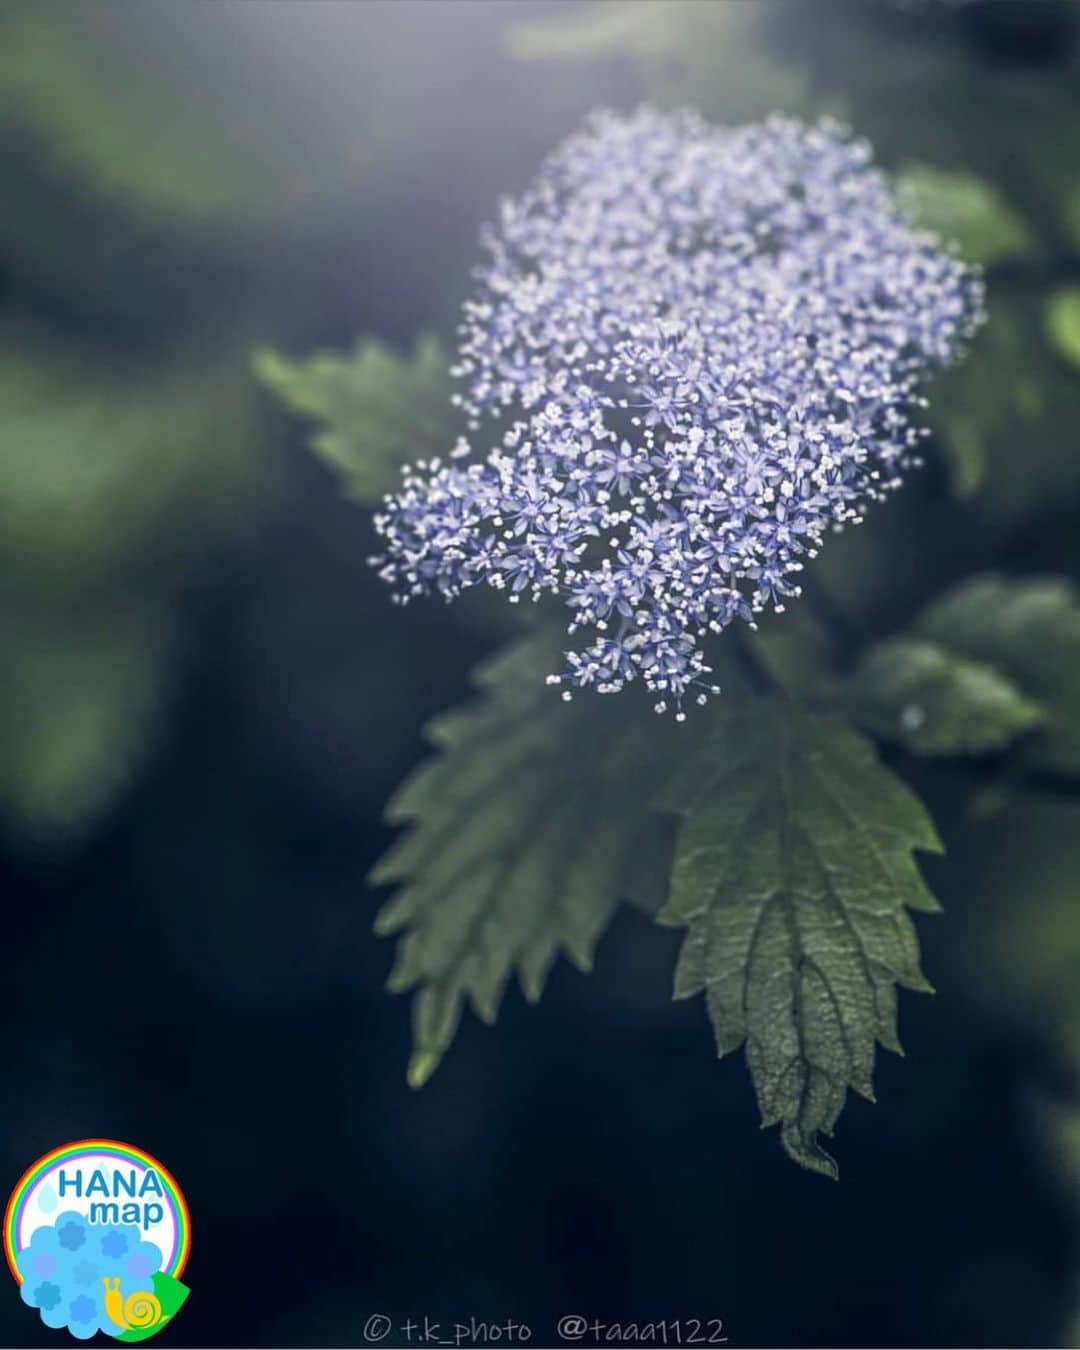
[{"x": 97, "y": 1235}]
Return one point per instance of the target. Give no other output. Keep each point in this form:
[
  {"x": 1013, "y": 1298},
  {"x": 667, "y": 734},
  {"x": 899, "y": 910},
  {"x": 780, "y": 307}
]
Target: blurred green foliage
[
  {"x": 924, "y": 697},
  {"x": 211, "y": 117},
  {"x": 125, "y": 467},
  {"x": 1029, "y": 631},
  {"x": 111, "y": 461},
  {"x": 81, "y": 695},
  {"x": 1063, "y": 323},
  {"x": 962, "y": 209},
  {"x": 1005, "y": 417},
  {"x": 707, "y": 56},
  {"x": 987, "y": 662},
  {"x": 1026, "y": 935}
]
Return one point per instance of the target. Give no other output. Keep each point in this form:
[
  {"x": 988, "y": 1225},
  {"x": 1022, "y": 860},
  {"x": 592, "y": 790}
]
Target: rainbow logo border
[{"x": 114, "y": 1148}]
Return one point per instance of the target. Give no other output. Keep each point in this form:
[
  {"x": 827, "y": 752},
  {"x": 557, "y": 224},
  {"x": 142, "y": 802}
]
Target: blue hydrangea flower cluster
[
  {"x": 700, "y": 349},
  {"x": 64, "y": 1266}
]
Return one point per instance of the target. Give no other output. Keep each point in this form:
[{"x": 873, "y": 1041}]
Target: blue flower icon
[
  {"x": 46, "y": 1295},
  {"x": 84, "y": 1317},
  {"x": 72, "y": 1235},
  {"x": 43, "y": 1263},
  {"x": 114, "y": 1244},
  {"x": 84, "y": 1272},
  {"x": 83, "y": 1309},
  {"x": 139, "y": 1267}
]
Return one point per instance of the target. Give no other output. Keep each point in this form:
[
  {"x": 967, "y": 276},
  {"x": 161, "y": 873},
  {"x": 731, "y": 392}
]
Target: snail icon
[{"x": 137, "y": 1312}]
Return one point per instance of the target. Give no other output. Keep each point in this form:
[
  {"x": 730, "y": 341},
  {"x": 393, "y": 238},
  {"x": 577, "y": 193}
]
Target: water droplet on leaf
[{"x": 912, "y": 717}]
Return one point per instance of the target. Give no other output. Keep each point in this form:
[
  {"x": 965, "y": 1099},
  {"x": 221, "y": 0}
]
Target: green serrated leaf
[
  {"x": 377, "y": 410},
  {"x": 968, "y": 211},
  {"x": 1028, "y": 630},
  {"x": 925, "y": 697},
  {"x": 1063, "y": 323},
  {"x": 524, "y": 834},
  {"x": 793, "y": 874}
]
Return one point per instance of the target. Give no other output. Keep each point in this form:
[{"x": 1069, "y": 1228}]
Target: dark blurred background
[{"x": 205, "y": 701}]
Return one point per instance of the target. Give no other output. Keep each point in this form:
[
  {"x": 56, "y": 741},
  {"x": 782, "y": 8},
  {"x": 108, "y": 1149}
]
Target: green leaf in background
[
  {"x": 524, "y": 835},
  {"x": 967, "y": 211},
  {"x": 1072, "y": 206},
  {"x": 109, "y": 92},
  {"x": 935, "y": 98},
  {"x": 708, "y": 56},
  {"x": 1027, "y": 630},
  {"x": 961, "y": 442},
  {"x": 1063, "y": 323},
  {"x": 110, "y": 462},
  {"x": 219, "y": 116},
  {"x": 80, "y": 696},
  {"x": 989, "y": 400},
  {"x": 972, "y": 213},
  {"x": 120, "y": 478},
  {"x": 613, "y": 27},
  {"x": 378, "y": 410},
  {"x": 793, "y": 647},
  {"x": 793, "y": 873},
  {"x": 1004, "y": 417},
  {"x": 1020, "y": 940},
  {"x": 925, "y": 697}
]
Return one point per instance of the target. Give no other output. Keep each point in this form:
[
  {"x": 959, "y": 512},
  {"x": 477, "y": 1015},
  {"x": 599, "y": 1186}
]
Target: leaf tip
[
  {"x": 268, "y": 366},
  {"x": 387, "y": 922},
  {"x": 421, "y": 1066},
  {"x": 401, "y": 979},
  {"x": 804, "y": 1149},
  {"x": 532, "y": 987}
]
